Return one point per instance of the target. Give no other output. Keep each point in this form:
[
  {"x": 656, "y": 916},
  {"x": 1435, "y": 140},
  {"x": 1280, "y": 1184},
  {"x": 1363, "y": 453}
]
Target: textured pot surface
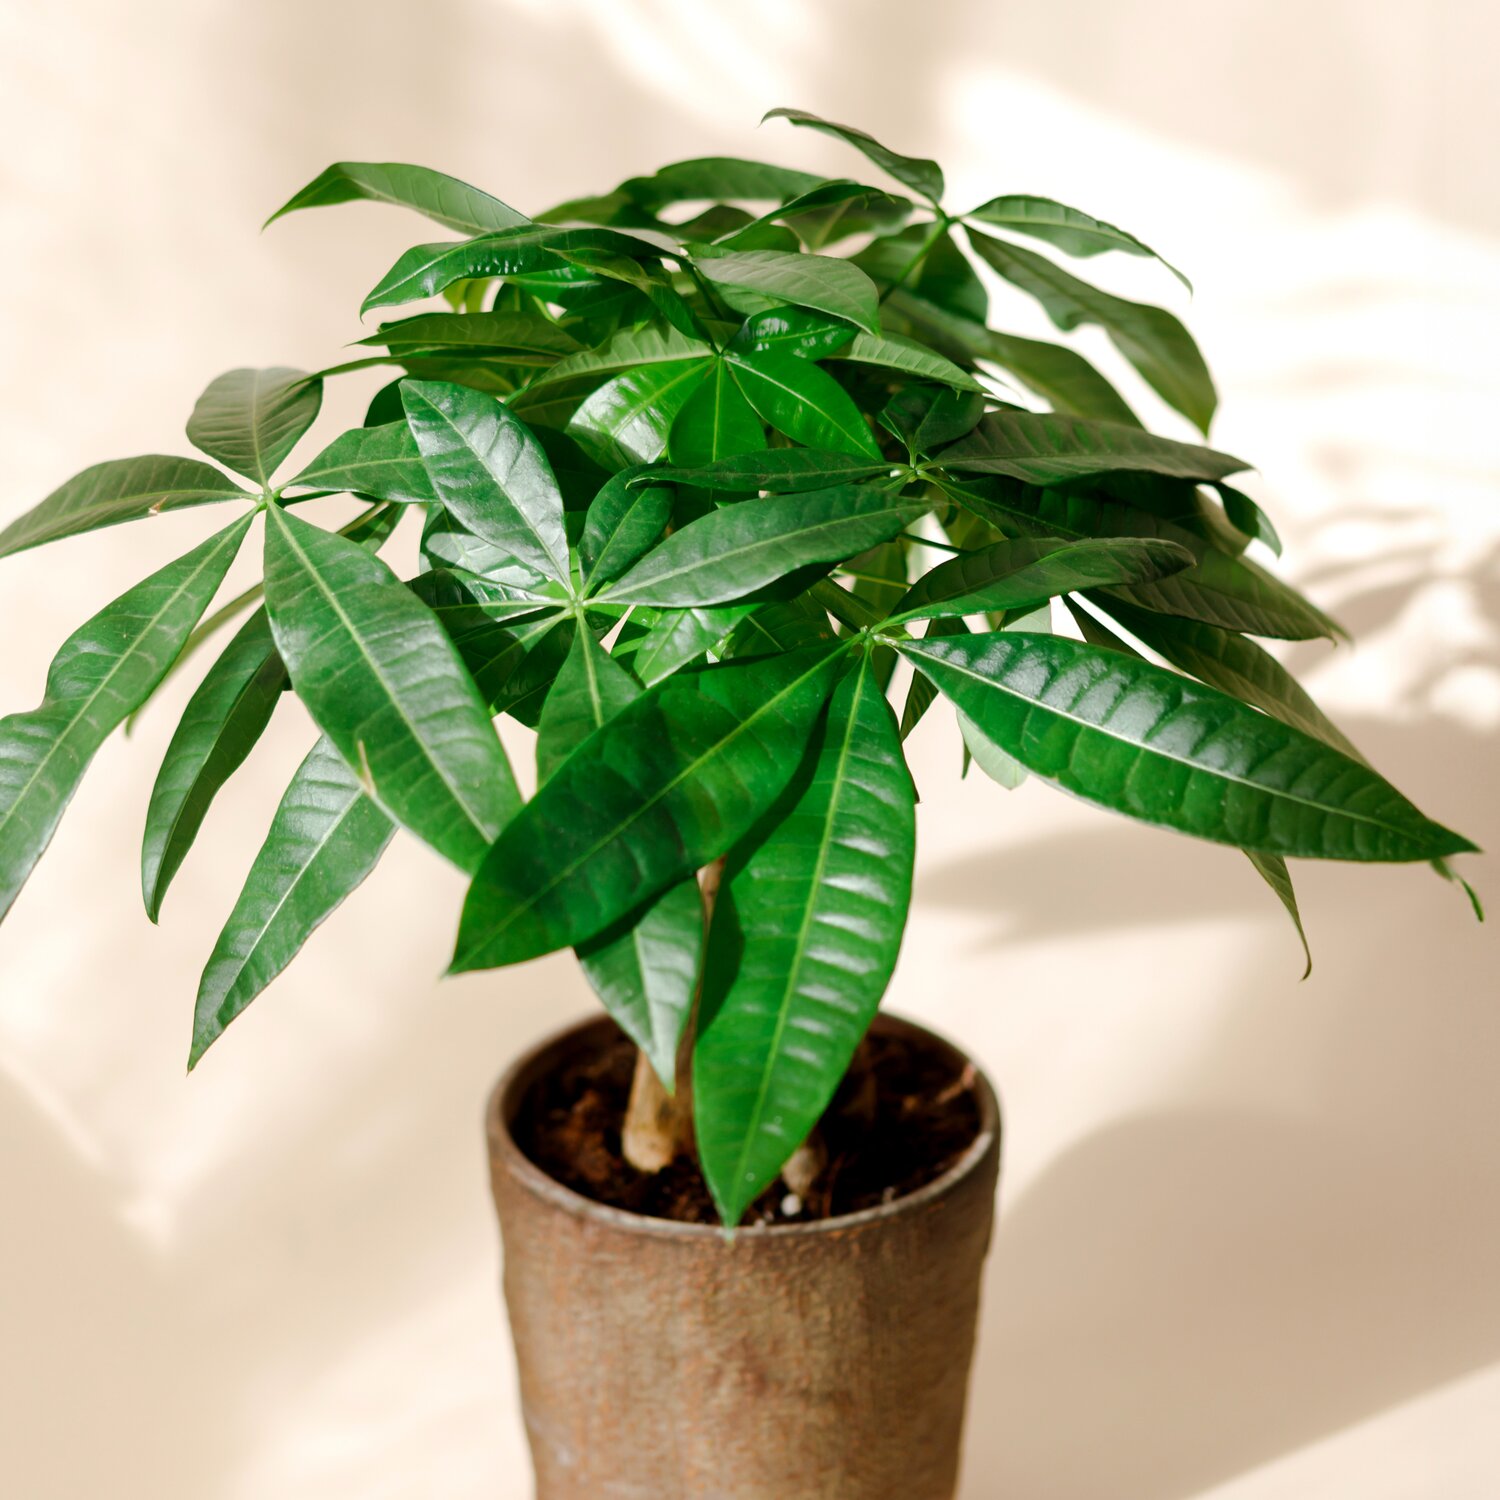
[{"x": 826, "y": 1361}]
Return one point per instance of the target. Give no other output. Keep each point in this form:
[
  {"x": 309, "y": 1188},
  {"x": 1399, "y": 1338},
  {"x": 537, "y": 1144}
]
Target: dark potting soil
[{"x": 903, "y": 1115}]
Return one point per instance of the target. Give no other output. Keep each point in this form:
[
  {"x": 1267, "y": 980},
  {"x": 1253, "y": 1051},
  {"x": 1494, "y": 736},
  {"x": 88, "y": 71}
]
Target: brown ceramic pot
[{"x": 658, "y": 1361}]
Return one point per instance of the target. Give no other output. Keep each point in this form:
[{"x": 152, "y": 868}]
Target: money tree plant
[{"x": 722, "y": 480}]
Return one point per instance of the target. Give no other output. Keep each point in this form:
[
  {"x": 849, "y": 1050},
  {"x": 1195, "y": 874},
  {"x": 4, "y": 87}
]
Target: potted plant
[{"x": 722, "y": 481}]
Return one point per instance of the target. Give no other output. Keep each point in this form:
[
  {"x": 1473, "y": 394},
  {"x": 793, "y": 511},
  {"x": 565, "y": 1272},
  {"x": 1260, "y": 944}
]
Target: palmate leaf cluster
[{"x": 697, "y": 465}]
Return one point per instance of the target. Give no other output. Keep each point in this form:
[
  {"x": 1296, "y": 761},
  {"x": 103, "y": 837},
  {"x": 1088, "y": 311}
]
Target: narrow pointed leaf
[
  {"x": 1143, "y": 741},
  {"x": 1001, "y": 768},
  {"x": 926, "y": 417},
  {"x": 107, "y": 668},
  {"x": 791, "y": 330},
  {"x": 822, "y": 282},
  {"x": 251, "y": 419},
  {"x": 526, "y": 339},
  {"x": 382, "y": 462},
  {"x": 662, "y": 789},
  {"x": 490, "y": 473},
  {"x": 626, "y": 421},
  {"x": 918, "y": 173},
  {"x": 1071, "y": 230},
  {"x": 1154, "y": 341},
  {"x": 1247, "y": 517},
  {"x": 736, "y": 550},
  {"x": 781, "y": 471},
  {"x": 1272, "y": 869},
  {"x": 219, "y": 727},
  {"x": 624, "y": 521},
  {"x": 438, "y": 196},
  {"x": 803, "y": 944},
  {"x": 930, "y": 268},
  {"x": 911, "y": 358},
  {"x": 681, "y": 636},
  {"x": 591, "y": 689},
  {"x": 325, "y": 838},
  {"x": 1046, "y": 448},
  {"x": 1019, "y": 575},
  {"x": 716, "y": 423},
  {"x": 626, "y": 350},
  {"x": 382, "y": 680},
  {"x": 718, "y": 179},
  {"x": 806, "y": 403},
  {"x": 121, "y": 489}
]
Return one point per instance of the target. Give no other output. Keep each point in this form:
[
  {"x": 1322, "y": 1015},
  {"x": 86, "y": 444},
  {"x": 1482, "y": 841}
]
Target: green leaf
[
  {"x": 930, "y": 266},
  {"x": 121, "y": 489},
  {"x": 777, "y": 470},
  {"x": 718, "y": 178},
  {"x": 1071, "y": 230},
  {"x": 784, "y": 625},
  {"x": 681, "y": 636},
  {"x": 790, "y": 330},
  {"x": 897, "y": 353},
  {"x": 490, "y": 473},
  {"x": 918, "y": 173},
  {"x": 591, "y": 689},
  {"x": 822, "y": 282},
  {"x": 735, "y": 551},
  {"x": 1145, "y": 742},
  {"x": 832, "y": 210},
  {"x": 920, "y": 692},
  {"x": 107, "y": 668},
  {"x": 716, "y": 423},
  {"x": 526, "y": 339},
  {"x": 219, "y": 727},
  {"x": 1019, "y": 575},
  {"x": 445, "y": 199},
  {"x": 382, "y": 680},
  {"x": 382, "y": 462},
  {"x": 251, "y": 419},
  {"x": 626, "y": 350},
  {"x": 1272, "y": 869},
  {"x": 1152, "y": 340},
  {"x": 1005, "y": 770},
  {"x": 1046, "y": 448},
  {"x": 1247, "y": 517},
  {"x": 626, "y": 421},
  {"x": 624, "y": 522},
  {"x": 804, "y": 941},
  {"x": 806, "y": 403},
  {"x": 325, "y": 838},
  {"x": 662, "y": 789},
  {"x": 926, "y": 417},
  {"x": 1234, "y": 665}
]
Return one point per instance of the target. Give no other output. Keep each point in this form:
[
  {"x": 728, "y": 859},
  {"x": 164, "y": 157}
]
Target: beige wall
[{"x": 1250, "y": 1228}]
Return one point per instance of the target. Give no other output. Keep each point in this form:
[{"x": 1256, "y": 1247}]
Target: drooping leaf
[
  {"x": 1247, "y": 517},
  {"x": 741, "y": 548},
  {"x": 1154, "y": 341},
  {"x": 382, "y": 680},
  {"x": 918, "y": 173},
  {"x": 1021, "y": 574},
  {"x": 1146, "y": 742},
  {"x": 805, "y": 402},
  {"x": 662, "y": 789},
  {"x": 1272, "y": 869},
  {"x": 1046, "y": 448},
  {"x": 591, "y": 689},
  {"x": 781, "y": 471},
  {"x": 716, "y": 423},
  {"x": 490, "y": 473},
  {"x": 251, "y": 419},
  {"x": 822, "y": 282},
  {"x": 325, "y": 838},
  {"x": 804, "y": 941},
  {"x": 626, "y": 421},
  {"x": 101, "y": 673},
  {"x": 382, "y": 462},
  {"x": 1071, "y": 230},
  {"x": 121, "y": 489},
  {"x": 219, "y": 727},
  {"x": 438, "y": 196}
]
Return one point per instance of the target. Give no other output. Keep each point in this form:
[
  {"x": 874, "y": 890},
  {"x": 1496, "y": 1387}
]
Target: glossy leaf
[
  {"x": 219, "y": 727},
  {"x": 107, "y": 668},
  {"x": 741, "y": 548},
  {"x": 1071, "y": 230},
  {"x": 438, "y": 196},
  {"x": 624, "y": 521},
  {"x": 662, "y": 789},
  {"x": 1046, "y": 448},
  {"x": 626, "y": 421},
  {"x": 822, "y": 282},
  {"x": 718, "y": 178},
  {"x": 1143, "y": 741},
  {"x": 382, "y": 680},
  {"x": 927, "y": 417},
  {"x": 325, "y": 838},
  {"x": 911, "y": 358},
  {"x": 806, "y": 403},
  {"x": 918, "y": 173},
  {"x": 1247, "y": 517},
  {"x": 1001, "y": 768},
  {"x": 791, "y": 330},
  {"x": 1019, "y": 575},
  {"x": 590, "y": 690},
  {"x": 1154, "y": 341},
  {"x": 382, "y": 462},
  {"x": 804, "y": 940},
  {"x": 716, "y": 423},
  {"x": 780, "y": 471},
  {"x": 928, "y": 265},
  {"x": 524, "y": 338},
  {"x": 121, "y": 489},
  {"x": 490, "y": 473},
  {"x": 681, "y": 636},
  {"x": 1273, "y": 870},
  {"x": 627, "y": 349},
  {"x": 251, "y": 419}
]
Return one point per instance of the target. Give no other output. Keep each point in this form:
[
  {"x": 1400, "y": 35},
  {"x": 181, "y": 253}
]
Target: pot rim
[{"x": 504, "y": 1099}]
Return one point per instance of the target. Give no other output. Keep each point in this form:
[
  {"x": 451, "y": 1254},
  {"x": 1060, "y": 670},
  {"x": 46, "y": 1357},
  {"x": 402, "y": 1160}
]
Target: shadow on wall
[{"x": 1195, "y": 1291}]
